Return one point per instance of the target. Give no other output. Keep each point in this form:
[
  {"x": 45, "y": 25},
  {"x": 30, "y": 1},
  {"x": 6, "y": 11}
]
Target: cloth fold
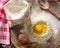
[{"x": 4, "y": 24}]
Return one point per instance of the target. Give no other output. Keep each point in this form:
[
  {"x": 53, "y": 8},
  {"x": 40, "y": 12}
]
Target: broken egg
[{"x": 40, "y": 27}]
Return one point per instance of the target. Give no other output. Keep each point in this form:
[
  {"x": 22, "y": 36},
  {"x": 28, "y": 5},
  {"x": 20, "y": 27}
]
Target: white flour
[{"x": 38, "y": 14}]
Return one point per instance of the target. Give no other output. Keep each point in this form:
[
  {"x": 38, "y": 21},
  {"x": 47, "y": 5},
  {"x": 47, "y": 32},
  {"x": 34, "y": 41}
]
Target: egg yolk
[{"x": 40, "y": 28}]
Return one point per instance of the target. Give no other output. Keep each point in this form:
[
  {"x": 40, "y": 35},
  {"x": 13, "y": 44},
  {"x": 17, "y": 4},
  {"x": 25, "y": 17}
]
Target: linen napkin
[{"x": 4, "y": 24}]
